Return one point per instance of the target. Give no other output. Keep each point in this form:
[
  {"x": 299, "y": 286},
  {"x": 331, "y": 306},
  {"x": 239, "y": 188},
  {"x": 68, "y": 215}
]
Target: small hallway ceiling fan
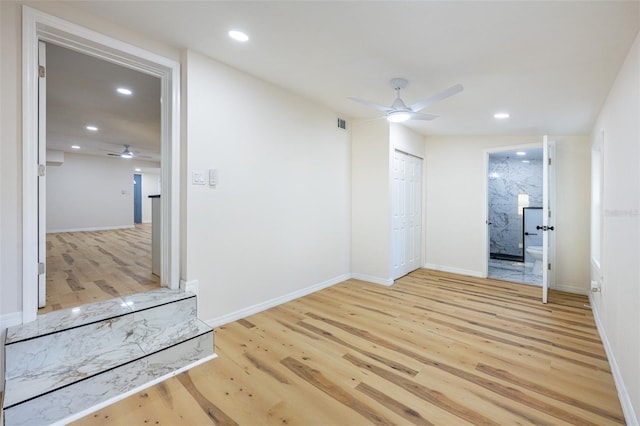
[{"x": 399, "y": 111}]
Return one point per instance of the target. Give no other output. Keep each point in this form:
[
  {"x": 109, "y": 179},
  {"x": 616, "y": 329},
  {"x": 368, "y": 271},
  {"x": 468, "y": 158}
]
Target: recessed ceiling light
[
  {"x": 137, "y": 169},
  {"x": 75, "y": 146},
  {"x": 124, "y": 91},
  {"x": 92, "y": 128},
  {"x": 521, "y": 153},
  {"x": 501, "y": 115},
  {"x": 238, "y": 35},
  {"x": 525, "y": 161}
]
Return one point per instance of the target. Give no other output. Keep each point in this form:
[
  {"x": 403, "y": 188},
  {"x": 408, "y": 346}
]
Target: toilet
[{"x": 536, "y": 253}]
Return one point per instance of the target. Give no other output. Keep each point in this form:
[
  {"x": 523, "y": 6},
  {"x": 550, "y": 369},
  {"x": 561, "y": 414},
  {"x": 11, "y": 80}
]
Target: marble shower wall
[{"x": 508, "y": 177}]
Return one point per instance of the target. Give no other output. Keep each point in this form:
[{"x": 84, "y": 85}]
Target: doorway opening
[
  {"x": 98, "y": 225},
  {"x": 514, "y": 211},
  {"x": 40, "y": 27}
]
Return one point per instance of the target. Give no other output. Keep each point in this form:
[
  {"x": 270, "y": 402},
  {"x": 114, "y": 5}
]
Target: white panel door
[
  {"x": 548, "y": 217},
  {"x": 406, "y": 214}
]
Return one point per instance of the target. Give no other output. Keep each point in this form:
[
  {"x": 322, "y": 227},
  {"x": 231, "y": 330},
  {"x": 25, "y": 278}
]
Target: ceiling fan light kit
[
  {"x": 398, "y": 116},
  {"x": 399, "y": 112}
]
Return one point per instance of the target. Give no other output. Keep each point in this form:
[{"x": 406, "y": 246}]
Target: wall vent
[{"x": 342, "y": 123}]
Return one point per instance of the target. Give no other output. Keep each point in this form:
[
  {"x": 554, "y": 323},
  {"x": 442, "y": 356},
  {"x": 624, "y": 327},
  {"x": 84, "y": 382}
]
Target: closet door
[{"x": 406, "y": 239}]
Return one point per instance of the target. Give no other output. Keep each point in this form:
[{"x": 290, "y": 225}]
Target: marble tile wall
[{"x": 508, "y": 177}]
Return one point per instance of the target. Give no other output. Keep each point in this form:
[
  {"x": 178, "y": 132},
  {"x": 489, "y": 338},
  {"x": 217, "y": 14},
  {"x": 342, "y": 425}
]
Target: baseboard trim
[
  {"x": 460, "y": 271},
  {"x": 372, "y": 279},
  {"x": 263, "y": 306},
  {"x": 94, "y": 229},
  {"x": 192, "y": 286},
  {"x": 571, "y": 289},
  {"x": 623, "y": 394},
  {"x": 9, "y": 320}
]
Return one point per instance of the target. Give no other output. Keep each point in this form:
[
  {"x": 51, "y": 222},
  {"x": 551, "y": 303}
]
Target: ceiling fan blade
[
  {"x": 437, "y": 97},
  {"x": 369, "y": 104},
  {"x": 420, "y": 116}
]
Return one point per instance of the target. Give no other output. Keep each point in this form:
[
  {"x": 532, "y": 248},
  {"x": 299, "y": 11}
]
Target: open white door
[
  {"x": 548, "y": 217},
  {"x": 42, "y": 182}
]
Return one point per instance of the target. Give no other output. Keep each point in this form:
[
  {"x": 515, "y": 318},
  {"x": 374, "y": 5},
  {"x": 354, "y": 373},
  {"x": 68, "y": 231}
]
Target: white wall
[
  {"x": 278, "y": 223},
  {"x": 10, "y": 163},
  {"x": 455, "y": 207},
  {"x": 370, "y": 208},
  {"x": 89, "y": 192},
  {"x": 150, "y": 186},
  {"x": 372, "y": 148},
  {"x": 406, "y": 140},
  {"x": 616, "y": 305}
]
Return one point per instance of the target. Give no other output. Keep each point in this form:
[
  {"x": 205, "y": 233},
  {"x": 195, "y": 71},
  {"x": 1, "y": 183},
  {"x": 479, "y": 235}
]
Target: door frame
[
  {"x": 39, "y": 26},
  {"x": 485, "y": 190}
]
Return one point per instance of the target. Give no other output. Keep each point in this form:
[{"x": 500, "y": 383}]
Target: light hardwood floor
[
  {"x": 88, "y": 267},
  {"x": 433, "y": 349}
]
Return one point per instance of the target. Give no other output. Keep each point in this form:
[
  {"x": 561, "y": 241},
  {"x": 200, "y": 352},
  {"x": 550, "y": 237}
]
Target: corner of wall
[{"x": 623, "y": 393}]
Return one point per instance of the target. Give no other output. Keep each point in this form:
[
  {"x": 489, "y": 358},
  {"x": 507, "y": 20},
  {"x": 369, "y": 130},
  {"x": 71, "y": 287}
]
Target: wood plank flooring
[
  {"x": 433, "y": 349},
  {"x": 88, "y": 267}
]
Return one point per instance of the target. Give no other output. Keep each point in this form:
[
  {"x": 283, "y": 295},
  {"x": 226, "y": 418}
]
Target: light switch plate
[
  {"x": 213, "y": 177},
  {"x": 198, "y": 178}
]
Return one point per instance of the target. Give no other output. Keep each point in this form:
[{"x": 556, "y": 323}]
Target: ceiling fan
[
  {"x": 127, "y": 153},
  {"x": 399, "y": 111}
]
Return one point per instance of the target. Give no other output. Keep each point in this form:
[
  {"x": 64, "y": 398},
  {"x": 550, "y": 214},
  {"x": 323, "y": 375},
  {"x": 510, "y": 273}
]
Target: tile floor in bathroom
[{"x": 509, "y": 270}]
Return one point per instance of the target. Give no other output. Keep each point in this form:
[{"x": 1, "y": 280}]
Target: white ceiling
[
  {"x": 82, "y": 91},
  {"x": 550, "y": 64}
]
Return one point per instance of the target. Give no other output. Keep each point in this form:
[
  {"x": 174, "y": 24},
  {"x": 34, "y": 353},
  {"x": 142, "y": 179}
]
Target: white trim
[
  {"x": 37, "y": 26},
  {"x": 623, "y": 394},
  {"x": 133, "y": 391},
  {"x": 29, "y": 167},
  {"x": 9, "y": 320},
  {"x": 98, "y": 228},
  {"x": 192, "y": 286},
  {"x": 453, "y": 270},
  {"x": 571, "y": 289},
  {"x": 371, "y": 279},
  {"x": 263, "y": 306}
]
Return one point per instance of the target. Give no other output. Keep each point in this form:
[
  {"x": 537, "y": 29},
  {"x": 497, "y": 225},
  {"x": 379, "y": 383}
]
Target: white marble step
[
  {"x": 94, "y": 312},
  {"x": 64, "y": 351},
  {"x": 81, "y": 398},
  {"x": 86, "y": 362}
]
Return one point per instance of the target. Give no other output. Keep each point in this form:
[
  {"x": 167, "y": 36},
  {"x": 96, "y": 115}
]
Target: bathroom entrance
[{"x": 514, "y": 214}]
